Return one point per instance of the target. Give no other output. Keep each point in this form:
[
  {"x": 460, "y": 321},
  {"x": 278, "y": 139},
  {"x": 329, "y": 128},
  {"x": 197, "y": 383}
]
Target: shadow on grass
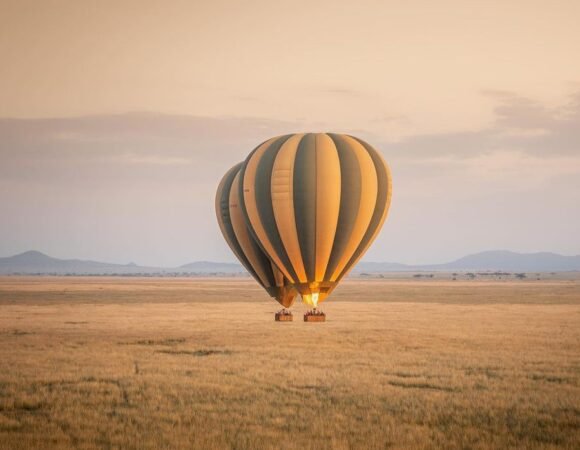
[
  {"x": 198, "y": 353},
  {"x": 422, "y": 386},
  {"x": 551, "y": 379},
  {"x": 16, "y": 332},
  {"x": 168, "y": 341}
]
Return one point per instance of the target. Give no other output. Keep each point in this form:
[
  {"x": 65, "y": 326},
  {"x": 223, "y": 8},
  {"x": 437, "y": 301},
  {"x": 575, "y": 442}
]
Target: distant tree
[{"x": 520, "y": 276}]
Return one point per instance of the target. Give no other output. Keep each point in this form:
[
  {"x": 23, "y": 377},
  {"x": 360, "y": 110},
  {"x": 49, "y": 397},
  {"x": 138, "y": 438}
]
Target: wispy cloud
[
  {"x": 520, "y": 125},
  {"x": 48, "y": 149}
]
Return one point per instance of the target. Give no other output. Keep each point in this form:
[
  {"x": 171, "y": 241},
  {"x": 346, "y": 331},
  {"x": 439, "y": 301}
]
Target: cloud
[
  {"x": 160, "y": 148},
  {"x": 520, "y": 125},
  {"x": 129, "y": 146}
]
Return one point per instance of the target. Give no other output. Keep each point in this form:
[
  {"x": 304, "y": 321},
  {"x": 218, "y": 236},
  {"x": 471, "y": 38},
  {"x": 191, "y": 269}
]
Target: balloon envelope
[
  {"x": 315, "y": 203},
  {"x": 233, "y": 226}
]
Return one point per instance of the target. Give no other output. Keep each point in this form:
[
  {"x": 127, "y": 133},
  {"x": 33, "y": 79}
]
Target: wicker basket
[
  {"x": 313, "y": 318},
  {"x": 284, "y": 317}
]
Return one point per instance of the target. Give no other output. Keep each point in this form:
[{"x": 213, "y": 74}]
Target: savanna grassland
[{"x": 200, "y": 363}]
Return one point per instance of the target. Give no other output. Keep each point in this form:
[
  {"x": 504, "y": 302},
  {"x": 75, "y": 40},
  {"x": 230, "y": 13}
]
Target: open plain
[{"x": 200, "y": 363}]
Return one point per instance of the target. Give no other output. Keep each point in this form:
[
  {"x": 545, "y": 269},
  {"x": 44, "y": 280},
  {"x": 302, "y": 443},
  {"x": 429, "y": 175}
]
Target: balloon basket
[
  {"x": 280, "y": 317},
  {"x": 320, "y": 317}
]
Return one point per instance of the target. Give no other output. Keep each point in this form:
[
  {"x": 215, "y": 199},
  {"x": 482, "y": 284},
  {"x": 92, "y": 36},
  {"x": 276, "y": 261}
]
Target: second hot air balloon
[
  {"x": 314, "y": 203},
  {"x": 236, "y": 233}
]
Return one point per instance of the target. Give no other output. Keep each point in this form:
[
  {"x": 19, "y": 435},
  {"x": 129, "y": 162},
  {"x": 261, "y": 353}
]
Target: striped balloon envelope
[
  {"x": 315, "y": 203},
  {"x": 246, "y": 249}
]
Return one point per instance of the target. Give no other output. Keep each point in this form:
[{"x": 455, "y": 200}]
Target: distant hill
[
  {"x": 506, "y": 260},
  {"x": 490, "y": 260},
  {"x": 33, "y": 262}
]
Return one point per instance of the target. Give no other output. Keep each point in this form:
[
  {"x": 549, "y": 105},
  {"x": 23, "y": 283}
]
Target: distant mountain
[
  {"x": 33, "y": 262},
  {"x": 525, "y": 262},
  {"x": 490, "y": 260}
]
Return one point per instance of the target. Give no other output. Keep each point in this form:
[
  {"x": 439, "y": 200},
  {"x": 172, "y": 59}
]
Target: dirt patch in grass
[
  {"x": 552, "y": 378},
  {"x": 419, "y": 385},
  {"x": 168, "y": 341},
  {"x": 16, "y": 332},
  {"x": 202, "y": 352}
]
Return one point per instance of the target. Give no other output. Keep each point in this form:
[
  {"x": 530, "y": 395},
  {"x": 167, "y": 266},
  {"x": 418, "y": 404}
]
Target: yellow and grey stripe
[
  {"x": 383, "y": 202},
  {"x": 257, "y": 203},
  {"x": 258, "y": 260},
  {"x": 237, "y": 234},
  {"x": 282, "y": 194},
  {"x": 315, "y": 203},
  {"x": 222, "y": 207}
]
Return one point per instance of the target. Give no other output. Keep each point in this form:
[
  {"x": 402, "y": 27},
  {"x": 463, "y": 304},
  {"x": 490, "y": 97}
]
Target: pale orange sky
[
  {"x": 476, "y": 106},
  {"x": 390, "y": 66}
]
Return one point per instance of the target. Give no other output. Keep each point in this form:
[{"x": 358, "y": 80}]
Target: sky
[{"x": 118, "y": 119}]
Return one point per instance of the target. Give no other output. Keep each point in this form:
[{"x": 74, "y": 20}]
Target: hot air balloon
[
  {"x": 246, "y": 249},
  {"x": 315, "y": 202}
]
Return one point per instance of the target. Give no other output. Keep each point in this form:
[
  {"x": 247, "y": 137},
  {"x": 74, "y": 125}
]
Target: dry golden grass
[{"x": 185, "y": 363}]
